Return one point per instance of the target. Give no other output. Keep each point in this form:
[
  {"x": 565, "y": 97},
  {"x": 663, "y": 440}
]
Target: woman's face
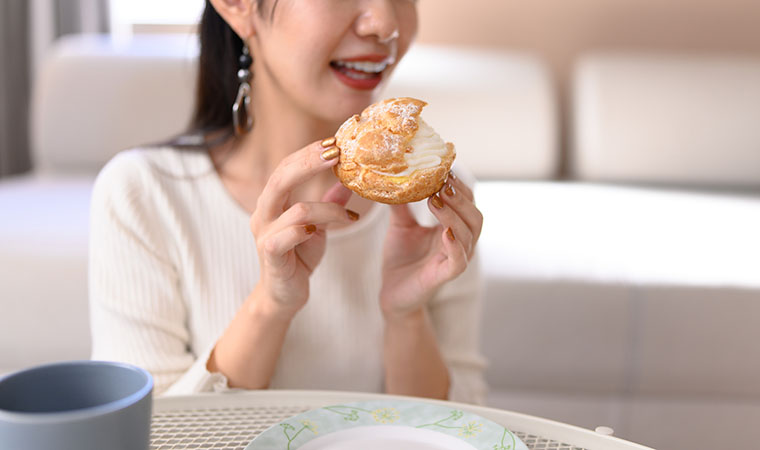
[{"x": 329, "y": 58}]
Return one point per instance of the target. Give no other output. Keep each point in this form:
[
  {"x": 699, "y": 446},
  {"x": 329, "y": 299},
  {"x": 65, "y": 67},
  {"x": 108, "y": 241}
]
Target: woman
[{"x": 246, "y": 264}]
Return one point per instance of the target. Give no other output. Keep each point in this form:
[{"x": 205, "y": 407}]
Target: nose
[{"x": 378, "y": 19}]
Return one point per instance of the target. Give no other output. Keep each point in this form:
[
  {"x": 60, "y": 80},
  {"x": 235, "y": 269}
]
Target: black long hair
[{"x": 217, "y": 83}]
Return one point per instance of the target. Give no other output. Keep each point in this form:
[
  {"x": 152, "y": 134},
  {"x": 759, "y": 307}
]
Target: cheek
[
  {"x": 308, "y": 52},
  {"x": 407, "y": 27},
  {"x": 297, "y": 61}
]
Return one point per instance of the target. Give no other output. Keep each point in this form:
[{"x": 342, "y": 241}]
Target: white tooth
[
  {"x": 364, "y": 66},
  {"x": 368, "y": 67},
  {"x": 359, "y": 66}
]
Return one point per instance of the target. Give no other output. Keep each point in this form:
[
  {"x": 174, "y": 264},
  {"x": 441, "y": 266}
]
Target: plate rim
[{"x": 509, "y": 440}]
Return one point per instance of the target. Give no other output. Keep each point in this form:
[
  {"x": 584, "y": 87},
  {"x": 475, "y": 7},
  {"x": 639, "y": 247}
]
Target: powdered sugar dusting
[{"x": 406, "y": 111}]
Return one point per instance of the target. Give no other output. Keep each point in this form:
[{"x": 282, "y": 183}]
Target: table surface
[{"x": 232, "y": 420}]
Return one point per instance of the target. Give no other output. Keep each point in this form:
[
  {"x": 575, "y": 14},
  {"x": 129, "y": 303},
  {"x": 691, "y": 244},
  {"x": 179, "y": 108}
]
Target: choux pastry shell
[{"x": 390, "y": 155}]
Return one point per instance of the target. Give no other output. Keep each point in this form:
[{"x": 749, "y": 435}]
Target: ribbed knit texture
[{"x": 172, "y": 259}]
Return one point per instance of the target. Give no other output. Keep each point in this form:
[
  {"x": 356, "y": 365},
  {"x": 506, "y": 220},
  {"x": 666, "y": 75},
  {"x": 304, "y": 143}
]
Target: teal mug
[{"x": 82, "y": 405}]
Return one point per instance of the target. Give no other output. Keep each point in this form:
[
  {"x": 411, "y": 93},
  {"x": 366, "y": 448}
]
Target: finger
[
  {"x": 317, "y": 213},
  {"x": 459, "y": 184},
  {"x": 338, "y": 194},
  {"x": 456, "y": 255},
  {"x": 402, "y": 216},
  {"x": 277, "y": 245},
  {"x": 464, "y": 207},
  {"x": 450, "y": 219},
  {"x": 294, "y": 170}
]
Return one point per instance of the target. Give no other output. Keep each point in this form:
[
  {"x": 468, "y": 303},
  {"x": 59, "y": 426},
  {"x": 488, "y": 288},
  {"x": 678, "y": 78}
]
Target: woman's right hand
[
  {"x": 290, "y": 239},
  {"x": 290, "y": 236}
]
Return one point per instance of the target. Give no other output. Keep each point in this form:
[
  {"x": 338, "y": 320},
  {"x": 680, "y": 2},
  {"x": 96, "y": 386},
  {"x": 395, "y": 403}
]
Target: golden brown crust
[{"x": 375, "y": 142}]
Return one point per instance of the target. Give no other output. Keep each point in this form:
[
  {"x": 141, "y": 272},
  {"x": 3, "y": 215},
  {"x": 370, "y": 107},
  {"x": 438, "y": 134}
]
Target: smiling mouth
[{"x": 360, "y": 70}]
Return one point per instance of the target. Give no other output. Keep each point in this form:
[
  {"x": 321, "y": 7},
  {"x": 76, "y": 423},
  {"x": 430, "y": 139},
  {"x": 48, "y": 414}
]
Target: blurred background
[
  {"x": 617, "y": 148},
  {"x": 562, "y": 31},
  {"x": 557, "y": 31}
]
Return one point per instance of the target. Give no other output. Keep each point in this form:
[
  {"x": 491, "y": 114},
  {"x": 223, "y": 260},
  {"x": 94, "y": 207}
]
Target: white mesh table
[{"x": 232, "y": 420}]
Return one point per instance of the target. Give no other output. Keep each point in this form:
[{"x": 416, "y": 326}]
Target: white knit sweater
[{"x": 172, "y": 259}]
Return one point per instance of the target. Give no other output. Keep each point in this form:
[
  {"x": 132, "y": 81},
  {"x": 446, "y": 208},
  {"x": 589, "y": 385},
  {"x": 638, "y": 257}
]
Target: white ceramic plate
[{"x": 376, "y": 425}]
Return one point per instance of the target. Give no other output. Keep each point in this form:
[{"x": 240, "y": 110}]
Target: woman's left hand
[{"x": 418, "y": 260}]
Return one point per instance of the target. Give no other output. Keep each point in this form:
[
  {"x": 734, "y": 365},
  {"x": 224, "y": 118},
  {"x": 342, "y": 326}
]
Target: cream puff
[{"x": 389, "y": 154}]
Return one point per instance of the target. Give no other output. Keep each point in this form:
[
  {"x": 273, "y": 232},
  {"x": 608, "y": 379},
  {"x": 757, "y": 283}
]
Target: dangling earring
[{"x": 241, "y": 113}]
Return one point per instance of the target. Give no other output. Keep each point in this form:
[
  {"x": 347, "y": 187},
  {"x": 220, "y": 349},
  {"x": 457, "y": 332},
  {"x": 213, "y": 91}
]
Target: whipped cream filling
[{"x": 428, "y": 150}]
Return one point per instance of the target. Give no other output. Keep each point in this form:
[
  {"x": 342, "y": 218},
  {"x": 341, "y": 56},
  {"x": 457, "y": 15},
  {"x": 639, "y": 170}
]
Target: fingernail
[
  {"x": 449, "y": 190},
  {"x": 330, "y": 153},
  {"x": 310, "y": 229},
  {"x": 353, "y": 215},
  {"x": 329, "y": 142},
  {"x": 452, "y": 176},
  {"x": 450, "y": 234},
  {"x": 436, "y": 201}
]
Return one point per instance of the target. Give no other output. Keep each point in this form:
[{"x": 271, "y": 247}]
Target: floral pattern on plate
[{"x": 296, "y": 431}]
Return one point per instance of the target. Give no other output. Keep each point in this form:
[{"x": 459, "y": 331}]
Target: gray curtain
[
  {"x": 77, "y": 16},
  {"x": 14, "y": 87},
  {"x": 19, "y": 27}
]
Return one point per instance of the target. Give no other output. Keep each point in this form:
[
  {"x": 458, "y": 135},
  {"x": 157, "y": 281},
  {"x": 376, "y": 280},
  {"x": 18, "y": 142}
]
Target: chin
[{"x": 344, "y": 106}]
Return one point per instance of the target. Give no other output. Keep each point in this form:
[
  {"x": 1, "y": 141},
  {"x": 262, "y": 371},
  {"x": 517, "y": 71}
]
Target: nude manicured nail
[
  {"x": 436, "y": 201},
  {"x": 353, "y": 215},
  {"x": 329, "y": 142},
  {"x": 449, "y": 190},
  {"x": 450, "y": 234},
  {"x": 330, "y": 153},
  {"x": 310, "y": 229}
]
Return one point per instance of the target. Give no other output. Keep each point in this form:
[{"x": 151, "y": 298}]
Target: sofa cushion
[
  {"x": 498, "y": 107},
  {"x": 43, "y": 270},
  {"x": 594, "y": 288},
  {"x": 675, "y": 119},
  {"x": 96, "y": 95},
  {"x": 618, "y": 234}
]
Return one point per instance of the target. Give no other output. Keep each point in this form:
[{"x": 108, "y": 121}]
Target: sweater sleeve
[
  {"x": 456, "y": 314},
  {"x": 137, "y": 313}
]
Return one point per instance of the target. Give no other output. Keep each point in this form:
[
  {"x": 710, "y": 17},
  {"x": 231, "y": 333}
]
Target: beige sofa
[{"x": 628, "y": 296}]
